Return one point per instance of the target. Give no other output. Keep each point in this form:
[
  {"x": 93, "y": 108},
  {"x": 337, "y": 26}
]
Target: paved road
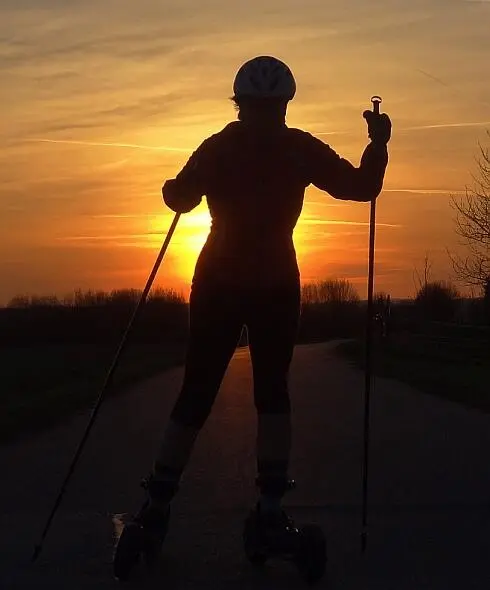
[{"x": 430, "y": 488}]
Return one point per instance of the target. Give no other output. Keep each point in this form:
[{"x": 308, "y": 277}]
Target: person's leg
[
  {"x": 272, "y": 325},
  {"x": 215, "y": 326}
]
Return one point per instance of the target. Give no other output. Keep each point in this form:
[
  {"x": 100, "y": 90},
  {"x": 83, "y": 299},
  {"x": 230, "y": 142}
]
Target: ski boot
[
  {"x": 143, "y": 536},
  {"x": 268, "y": 537}
]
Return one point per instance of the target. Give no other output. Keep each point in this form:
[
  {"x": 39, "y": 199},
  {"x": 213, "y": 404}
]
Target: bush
[
  {"x": 486, "y": 302},
  {"x": 330, "y": 309},
  {"x": 92, "y": 316},
  {"x": 331, "y": 291},
  {"x": 82, "y": 299},
  {"x": 437, "y": 301}
]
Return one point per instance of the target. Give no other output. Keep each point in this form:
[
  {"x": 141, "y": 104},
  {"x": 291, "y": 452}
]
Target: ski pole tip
[
  {"x": 36, "y": 553},
  {"x": 363, "y": 542}
]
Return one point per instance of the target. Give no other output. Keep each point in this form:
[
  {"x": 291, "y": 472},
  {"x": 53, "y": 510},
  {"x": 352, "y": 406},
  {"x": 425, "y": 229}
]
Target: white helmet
[{"x": 265, "y": 77}]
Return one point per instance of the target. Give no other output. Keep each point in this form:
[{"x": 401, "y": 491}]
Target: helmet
[{"x": 265, "y": 77}]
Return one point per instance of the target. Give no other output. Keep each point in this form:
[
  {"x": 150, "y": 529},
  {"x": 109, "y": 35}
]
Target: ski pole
[
  {"x": 376, "y": 100},
  {"x": 105, "y": 387}
]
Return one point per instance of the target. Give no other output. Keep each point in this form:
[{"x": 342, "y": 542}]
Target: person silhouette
[{"x": 254, "y": 174}]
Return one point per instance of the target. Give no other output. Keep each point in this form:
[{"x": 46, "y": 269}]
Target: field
[
  {"x": 54, "y": 359},
  {"x": 449, "y": 361},
  {"x": 55, "y": 356}
]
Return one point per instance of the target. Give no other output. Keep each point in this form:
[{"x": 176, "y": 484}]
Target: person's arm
[
  {"x": 343, "y": 180},
  {"x": 184, "y": 192},
  {"x": 337, "y": 176}
]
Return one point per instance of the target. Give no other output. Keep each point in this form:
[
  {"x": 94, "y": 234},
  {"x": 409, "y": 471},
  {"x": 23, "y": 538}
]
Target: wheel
[
  {"x": 251, "y": 544},
  {"x": 153, "y": 544},
  {"x": 137, "y": 542},
  {"x": 311, "y": 557},
  {"x": 128, "y": 551}
]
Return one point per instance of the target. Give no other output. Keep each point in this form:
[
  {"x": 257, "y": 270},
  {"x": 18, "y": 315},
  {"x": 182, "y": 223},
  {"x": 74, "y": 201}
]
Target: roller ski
[
  {"x": 276, "y": 536},
  {"x": 142, "y": 538}
]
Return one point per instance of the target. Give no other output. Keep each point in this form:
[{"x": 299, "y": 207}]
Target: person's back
[
  {"x": 254, "y": 189},
  {"x": 254, "y": 174}
]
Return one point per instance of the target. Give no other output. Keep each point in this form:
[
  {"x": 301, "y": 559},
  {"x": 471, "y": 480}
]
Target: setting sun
[{"x": 188, "y": 239}]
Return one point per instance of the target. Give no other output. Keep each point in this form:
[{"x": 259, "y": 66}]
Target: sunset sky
[{"x": 103, "y": 100}]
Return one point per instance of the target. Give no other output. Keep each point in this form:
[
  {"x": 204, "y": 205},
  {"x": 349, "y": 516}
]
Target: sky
[{"x": 104, "y": 100}]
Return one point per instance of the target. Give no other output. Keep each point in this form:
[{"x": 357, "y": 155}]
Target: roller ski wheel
[
  {"x": 139, "y": 542},
  {"x": 311, "y": 554},
  {"x": 254, "y": 550},
  {"x": 305, "y": 546}
]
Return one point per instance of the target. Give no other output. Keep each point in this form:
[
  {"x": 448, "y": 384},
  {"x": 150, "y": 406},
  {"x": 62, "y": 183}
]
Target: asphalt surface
[{"x": 429, "y": 519}]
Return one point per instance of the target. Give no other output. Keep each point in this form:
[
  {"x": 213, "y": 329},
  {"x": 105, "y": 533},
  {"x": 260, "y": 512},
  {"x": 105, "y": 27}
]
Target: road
[{"x": 429, "y": 520}]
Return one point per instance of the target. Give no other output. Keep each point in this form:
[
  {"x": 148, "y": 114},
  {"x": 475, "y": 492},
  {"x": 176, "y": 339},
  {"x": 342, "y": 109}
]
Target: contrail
[
  {"x": 164, "y": 148},
  {"x": 446, "y": 125},
  {"x": 120, "y": 216},
  {"x": 438, "y": 80},
  {"x": 106, "y": 237},
  {"x": 424, "y": 191},
  {"x": 453, "y": 90},
  {"x": 330, "y": 133},
  {"x": 315, "y": 221}
]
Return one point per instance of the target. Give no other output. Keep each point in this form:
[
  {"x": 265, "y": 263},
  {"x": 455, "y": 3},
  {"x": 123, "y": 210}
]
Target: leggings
[{"x": 217, "y": 316}]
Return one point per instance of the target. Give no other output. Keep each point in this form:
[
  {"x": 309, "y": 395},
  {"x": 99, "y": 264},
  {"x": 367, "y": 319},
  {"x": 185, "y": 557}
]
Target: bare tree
[
  {"x": 437, "y": 300},
  {"x": 472, "y": 223},
  {"x": 332, "y": 291},
  {"x": 419, "y": 280}
]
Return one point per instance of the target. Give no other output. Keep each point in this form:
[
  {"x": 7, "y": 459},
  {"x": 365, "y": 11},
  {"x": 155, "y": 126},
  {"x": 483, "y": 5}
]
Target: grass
[
  {"x": 43, "y": 385},
  {"x": 454, "y": 368},
  {"x": 55, "y": 355}
]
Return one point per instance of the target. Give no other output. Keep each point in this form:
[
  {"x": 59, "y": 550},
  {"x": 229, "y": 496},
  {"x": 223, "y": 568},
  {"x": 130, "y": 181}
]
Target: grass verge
[
  {"x": 44, "y": 385},
  {"x": 446, "y": 369}
]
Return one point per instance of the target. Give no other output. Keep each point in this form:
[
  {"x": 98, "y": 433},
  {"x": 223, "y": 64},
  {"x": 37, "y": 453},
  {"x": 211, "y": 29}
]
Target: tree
[
  {"x": 332, "y": 291},
  {"x": 472, "y": 221},
  {"x": 330, "y": 308},
  {"x": 437, "y": 300},
  {"x": 19, "y": 302},
  {"x": 420, "y": 281}
]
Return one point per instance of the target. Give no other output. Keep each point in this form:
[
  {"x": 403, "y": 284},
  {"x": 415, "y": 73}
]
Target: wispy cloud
[
  {"x": 120, "y": 216},
  {"x": 105, "y": 237},
  {"x": 445, "y": 126},
  {"x": 164, "y": 148},
  {"x": 424, "y": 191},
  {"x": 315, "y": 221},
  {"x": 321, "y": 133}
]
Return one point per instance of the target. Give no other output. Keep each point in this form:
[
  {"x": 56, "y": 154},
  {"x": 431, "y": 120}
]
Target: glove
[{"x": 379, "y": 127}]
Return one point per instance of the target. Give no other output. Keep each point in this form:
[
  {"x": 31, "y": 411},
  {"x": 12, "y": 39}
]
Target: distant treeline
[
  {"x": 91, "y": 298},
  {"x": 332, "y": 291},
  {"x": 330, "y": 308}
]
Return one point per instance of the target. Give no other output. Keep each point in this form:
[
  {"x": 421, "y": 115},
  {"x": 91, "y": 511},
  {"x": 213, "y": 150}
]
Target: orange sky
[{"x": 105, "y": 99}]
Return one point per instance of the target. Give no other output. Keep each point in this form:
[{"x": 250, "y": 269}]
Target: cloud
[
  {"x": 317, "y": 221},
  {"x": 446, "y": 126},
  {"x": 119, "y": 216},
  {"x": 424, "y": 191},
  {"x": 115, "y": 145}
]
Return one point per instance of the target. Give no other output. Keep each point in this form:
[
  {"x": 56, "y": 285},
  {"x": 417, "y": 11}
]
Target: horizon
[{"x": 106, "y": 104}]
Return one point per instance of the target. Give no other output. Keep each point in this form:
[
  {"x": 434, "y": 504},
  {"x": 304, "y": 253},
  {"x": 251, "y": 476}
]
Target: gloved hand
[{"x": 379, "y": 127}]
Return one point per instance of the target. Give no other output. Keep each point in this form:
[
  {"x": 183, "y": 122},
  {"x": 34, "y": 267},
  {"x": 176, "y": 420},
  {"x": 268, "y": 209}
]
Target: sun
[{"x": 189, "y": 238}]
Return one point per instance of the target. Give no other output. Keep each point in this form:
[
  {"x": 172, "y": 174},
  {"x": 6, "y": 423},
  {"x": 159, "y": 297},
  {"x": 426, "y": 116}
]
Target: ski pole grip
[{"x": 376, "y": 100}]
